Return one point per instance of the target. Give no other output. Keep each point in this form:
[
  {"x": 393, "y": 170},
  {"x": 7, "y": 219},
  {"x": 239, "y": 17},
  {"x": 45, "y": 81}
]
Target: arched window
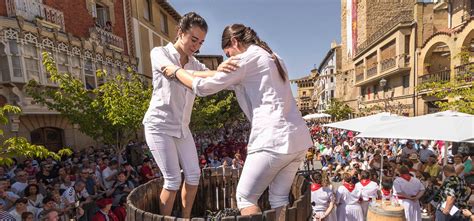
[{"x": 50, "y": 137}]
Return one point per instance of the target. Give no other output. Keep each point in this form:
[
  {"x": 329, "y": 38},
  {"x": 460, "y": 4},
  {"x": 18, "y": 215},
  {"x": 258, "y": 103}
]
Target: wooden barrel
[{"x": 385, "y": 212}]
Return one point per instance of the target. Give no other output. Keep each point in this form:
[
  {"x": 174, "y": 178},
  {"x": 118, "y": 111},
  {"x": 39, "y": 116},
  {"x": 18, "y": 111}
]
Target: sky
[{"x": 299, "y": 31}]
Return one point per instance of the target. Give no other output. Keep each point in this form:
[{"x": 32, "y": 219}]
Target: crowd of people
[
  {"x": 92, "y": 184},
  {"x": 348, "y": 172}
]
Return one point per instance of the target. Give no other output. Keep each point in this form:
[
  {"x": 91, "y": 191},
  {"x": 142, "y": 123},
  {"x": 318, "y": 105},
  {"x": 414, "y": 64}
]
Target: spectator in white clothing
[{"x": 109, "y": 174}]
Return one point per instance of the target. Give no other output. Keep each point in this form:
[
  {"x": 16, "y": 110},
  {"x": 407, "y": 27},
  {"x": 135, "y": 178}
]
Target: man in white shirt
[
  {"x": 406, "y": 151},
  {"x": 75, "y": 193},
  {"x": 21, "y": 182},
  {"x": 408, "y": 190},
  {"x": 109, "y": 174},
  {"x": 425, "y": 153}
]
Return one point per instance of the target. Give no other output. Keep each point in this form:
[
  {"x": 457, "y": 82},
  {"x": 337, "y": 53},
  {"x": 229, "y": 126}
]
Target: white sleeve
[
  {"x": 220, "y": 81},
  {"x": 396, "y": 187},
  {"x": 159, "y": 58}
]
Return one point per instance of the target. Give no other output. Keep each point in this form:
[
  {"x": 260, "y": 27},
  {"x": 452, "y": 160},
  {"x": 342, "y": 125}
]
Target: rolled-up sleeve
[
  {"x": 220, "y": 81},
  {"x": 159, "y": 59}
]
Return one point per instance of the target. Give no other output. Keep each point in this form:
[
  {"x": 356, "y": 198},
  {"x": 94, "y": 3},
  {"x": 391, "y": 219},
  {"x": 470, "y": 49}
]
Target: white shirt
[
  {"x": 19, "y": 187},
  {"x": 70, "y": 196},
  {"x": 266, "y": 100},
  {"x": 106, "y": 173},
  {"x": 369, "y": 191},
  {"x": 407, "y": 188},
  {"x": 171, "y": 103}
]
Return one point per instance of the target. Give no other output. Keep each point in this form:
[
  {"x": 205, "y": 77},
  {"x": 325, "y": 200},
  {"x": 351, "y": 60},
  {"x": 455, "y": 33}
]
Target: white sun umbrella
[
  {"x": 364, "y": 123},
  {"x": 447, "y": 126},
  {"x": 316, "y": 116}
]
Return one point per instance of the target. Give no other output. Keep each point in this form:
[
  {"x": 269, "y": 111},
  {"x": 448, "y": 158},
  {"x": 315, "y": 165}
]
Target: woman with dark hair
[
  {"x": 322, "y": 198},
  {"x": 166, "y": 122},
  {"x": 35, "y": 198},
  {"x": 347, "y": 199},
  {"x": 279, "y": 136}
]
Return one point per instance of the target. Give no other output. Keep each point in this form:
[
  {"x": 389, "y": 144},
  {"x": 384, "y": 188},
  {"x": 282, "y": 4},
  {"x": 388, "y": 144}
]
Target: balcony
[
  {"x": 465, "y": 71},
  {"x": 359, "y": 73},
  {"x": 372, "y": 71},
  {"x": 31, "y": 10},
  {"x": 402, "y": 17},
  {"x": 438, "y": 76},
  {"x": 388, "y": 63},
  {"x": 108, "y": 38}
]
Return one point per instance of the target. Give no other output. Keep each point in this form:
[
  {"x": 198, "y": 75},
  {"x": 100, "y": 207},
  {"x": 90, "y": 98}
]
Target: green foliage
[
  {"x": 19, "y": 146},
  {"x": 339, "y": 110},
  {"x": 213, "y": 112},
  {"x": 111, "y": 113},
  {"x": 459, "y": 92}
]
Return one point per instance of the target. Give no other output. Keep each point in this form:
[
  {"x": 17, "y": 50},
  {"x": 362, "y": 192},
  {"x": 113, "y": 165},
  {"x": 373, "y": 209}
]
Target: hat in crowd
[
  {"x": 413, "y": 156},
  {"x": 102, "y": 203}
]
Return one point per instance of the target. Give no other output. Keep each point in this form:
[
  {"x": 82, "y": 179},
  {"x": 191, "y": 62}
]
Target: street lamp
[{"x": 383, "y": 82}]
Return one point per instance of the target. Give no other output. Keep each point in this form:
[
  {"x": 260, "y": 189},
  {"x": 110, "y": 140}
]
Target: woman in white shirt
[
  {"x": 166, "y": 121},
  {"x": 279, "y": 136}
]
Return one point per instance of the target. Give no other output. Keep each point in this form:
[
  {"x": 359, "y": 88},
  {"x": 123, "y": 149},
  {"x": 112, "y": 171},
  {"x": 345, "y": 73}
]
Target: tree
[
  {"x": 459, "y": 92},
  {"x": 214, "y": 112},
  {"x": 111, "y": 113},
  {"x": 19, "y": 146},
  {"x": 339, "y": 110}
]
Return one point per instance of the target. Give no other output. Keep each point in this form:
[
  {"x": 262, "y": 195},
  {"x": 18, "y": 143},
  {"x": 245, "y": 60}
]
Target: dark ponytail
[
  {"x": 192, "y": 19},
  {"x": 248, "y": 36}
]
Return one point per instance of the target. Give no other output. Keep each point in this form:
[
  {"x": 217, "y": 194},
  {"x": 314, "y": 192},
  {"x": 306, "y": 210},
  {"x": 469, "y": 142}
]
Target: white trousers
[
  {"x": 412, "y": 209},
  {"x": 263, "y": 169},
  {"x": 171, "y": 154}
]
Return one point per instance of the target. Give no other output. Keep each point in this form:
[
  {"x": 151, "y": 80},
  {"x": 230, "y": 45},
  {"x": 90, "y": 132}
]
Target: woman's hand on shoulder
[
  {"x": 169, "y": 71},
  {"x": 229, "y": 65}
]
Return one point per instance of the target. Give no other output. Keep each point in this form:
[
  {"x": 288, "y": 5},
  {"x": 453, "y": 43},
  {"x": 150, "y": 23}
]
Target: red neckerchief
[
  {"x": 386, "y": 192},
  {"x": 365, "y": 182},
  {"x": 407, "y": 177},
  {"x": 412, "y": 170},
  {"x": 349, "y": 186},
  {"x": 315, "y": 187}
]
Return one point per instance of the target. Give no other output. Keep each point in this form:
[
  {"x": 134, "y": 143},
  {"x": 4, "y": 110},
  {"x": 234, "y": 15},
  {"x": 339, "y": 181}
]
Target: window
[
  {"x": 4, "y": 67},
  {"x": 76, "y": 67},
  {"x": 15, "y": 56},
  {"x": 332, "y": 78},
  {"x": 31, "y": 62},
  {"x": 362, "y": 91},
  {"x": 147, "y": 10},
  {"x": 89, "y": 74},
  {"x": 332, "y": 94},
  {"x": 375, "y": 90},
  {"x": 63, "y": 63},
  {"x": 164, "y": 23},
  {"x": 406, "y": 81},
  {"x": 102, "y": 15}
]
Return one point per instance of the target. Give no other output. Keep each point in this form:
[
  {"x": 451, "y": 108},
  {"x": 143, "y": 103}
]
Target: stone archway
[
  {"x": 50, "y": 137},
  {"x": 436, "y": 63}
]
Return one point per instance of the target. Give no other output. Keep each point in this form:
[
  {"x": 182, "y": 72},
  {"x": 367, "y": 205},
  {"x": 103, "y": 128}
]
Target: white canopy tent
[
  {"x": 447, "y": 126},
  {"x": 316, "y": 116},
  {"x": 364, "y": 123}
]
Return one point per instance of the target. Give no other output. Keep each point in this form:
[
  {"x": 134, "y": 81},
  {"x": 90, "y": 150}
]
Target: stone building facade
[
  {"x": 390, "y": 47},
  {"x": 307, "y": 95}
]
